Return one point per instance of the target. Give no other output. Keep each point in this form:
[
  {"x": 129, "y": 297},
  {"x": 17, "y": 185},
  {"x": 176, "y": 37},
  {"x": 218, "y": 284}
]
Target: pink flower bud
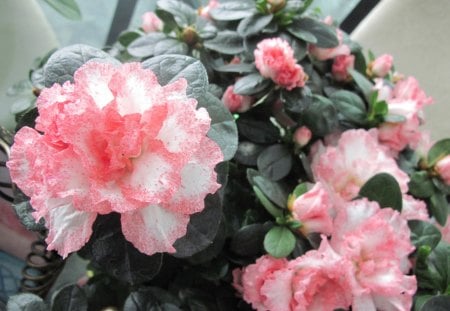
[
  {"x": 341, "y": 65},
  {"x": 151, "y": 22},
  {"x": 381, "y": 66},
  {"x": 443, "y": 169},
  {"x": 235, "y": 102},
  {"x": 302, "y": 136}
]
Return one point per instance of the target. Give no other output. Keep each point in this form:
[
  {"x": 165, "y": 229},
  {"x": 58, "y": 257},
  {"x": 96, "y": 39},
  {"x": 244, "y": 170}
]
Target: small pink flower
[
  {"x": 235, "y": 102},
  {"x": 318, "y": 280},
  {"x": 341, "y": 65},
  {"x": 253, "y": 277},
  {"x": 377, "y": 242},
  {"x": 302, "y": 136},
  {"x": 274, "y": 58},
  {"x": 356, "y": 158},
  {"x": 330, "y": 53},
  {"x": 442, "y": 167},
  {"x": 314, "y": 210},
  {"x": 151, "y": 22},
  {"x": 381, "y": 66},
  {"x": 409, "y": 89},
  {"x": 142, "y": 151}
]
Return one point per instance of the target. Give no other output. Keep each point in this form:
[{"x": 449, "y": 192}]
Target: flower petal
[{"x": 154, "y": 229}]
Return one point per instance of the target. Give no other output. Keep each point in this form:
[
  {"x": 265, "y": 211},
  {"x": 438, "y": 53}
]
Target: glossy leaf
[
  {"x": 314, "y": 31},
  {"x": 420, "y": 185},
  {"x": 350, "y": 105},
  {"x": 439, "y": 208},
  {"x": 424, "y": 233},
  {"x": 170, "y": 46},
  {"x": 437, "y": 303},
  {"x": 258, "y": 131},
  {"x": 127, "y": 37},
  {"x": 275, "y": 162},
  {"x": 170, "y": 68},
  {"x": 183, "y": 14},
  {"x": 247, "y": 153},
  {"x": 362, "y": 82},
  {"x": 320, "y": 116},
  {"x": 251, "y": 84},
  {"x": 225, "y": 42},
  {"x": 269, "y": 206},
  {"x": 384, "y": 189},
  {"x": 26, "y": 302},
  {"x": 279, "y": 242},
  {"x": 145, "y": 45},
  {"x": 275, "y": 191},
  {"x": 253, "y": 24},
  {"x": 248, "y": 241},
  {"x": 233, "y": 10},
  {"x": 151, "y": 298},
  {"x": 439, "y": 150},
  {"x": 70, "y": 298}
]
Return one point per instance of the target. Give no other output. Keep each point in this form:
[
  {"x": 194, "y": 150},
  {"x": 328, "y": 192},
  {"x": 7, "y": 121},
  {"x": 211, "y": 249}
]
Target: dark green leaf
[
  {"x": 384, "y": 189},
  {"x": 434, "y": 273},
  {"x": 306, "y": 27},
  {"x": 247, "y": 153},
  {"x": 258, "y": 131},
  {"x": 26, "y": 302},
  {"x": 170, "y": 46},
  {"x": 437, "y": 303},
  {"x": 279, "y": 242},
  {"x": 350, "y": 105},
  {"x": 320, "y": 116},
  {"x": 269, "y": 206},
  {"x": 297, "y": 100},
  {"x": 145, "y": 45},
  {"x": 439, "y": 150},
  {"x": 420, "y": 185},
  {"x": 223, "y": 126},
  {"x": 67, "y": 8},
  {"x": 110, "y": 251},
  {"x": 253, "y": 24},
  {"x": 233, "y": 10},
  {"x": 170, "y": 68},
  {"x": 275, "y": 191},
  {"x": 27, "y": 119},
  {"x": 205, "y": 29},
  {"x": 226, "y": 42},
  {"x": 362, "y": 82},
  {"x": 439, "y": 208},
  {"x": 127, "y": 37},
  {"x": 69, "y": 298},
  {"x": 61, "y": 66},
  {"x": 248, "y": 241},
  {"x": 24, "y": 212},
  {"x": 420, "y": 300},
  {"x": 237, "y": 68},
  {"x": 251, "y": 84},
  {"x": 150, "y": 298},
  {"x": 380, "y": 108},
  {"x": 202, "y": 228},
  {"x": 183, "y": 14},
  {"x": 424, "y": 233},
  {"x": 275, "y": 162}
]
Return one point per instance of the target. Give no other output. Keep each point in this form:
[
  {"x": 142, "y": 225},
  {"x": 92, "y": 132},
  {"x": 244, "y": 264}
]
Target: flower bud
[
  {"x": 302, "y": 136},
  {"x": 151, "y": 22},
  {"x": 276, "y": 5},
  {"x": 341, "y": 65},
  {"x": 442, "y": 167},
  {"x": 381, "y": 66}
]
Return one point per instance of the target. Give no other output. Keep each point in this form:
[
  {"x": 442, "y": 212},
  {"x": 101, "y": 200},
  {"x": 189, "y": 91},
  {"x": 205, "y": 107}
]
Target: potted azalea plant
[{"x": 235, "y": 156}]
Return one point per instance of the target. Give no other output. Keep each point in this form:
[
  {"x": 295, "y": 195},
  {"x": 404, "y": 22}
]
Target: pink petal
[
  {"x": 69, "y": 229},
  {"x": 154, "y": 229},
  {"x": 277, "y": 291}
]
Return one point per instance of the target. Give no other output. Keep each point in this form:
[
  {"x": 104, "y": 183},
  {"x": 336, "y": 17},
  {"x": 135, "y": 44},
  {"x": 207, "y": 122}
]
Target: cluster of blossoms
[{"x": 130, "y": 156}]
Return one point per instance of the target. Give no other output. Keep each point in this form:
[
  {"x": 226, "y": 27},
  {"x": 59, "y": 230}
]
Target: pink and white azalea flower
[
  {"x": 274, "y": 58},
  {"x": 341, "y": 65},
  {"x": 115, "y": 140},
  {"x": 377, "y": 242},
  {"x": 357, "y": 157}
]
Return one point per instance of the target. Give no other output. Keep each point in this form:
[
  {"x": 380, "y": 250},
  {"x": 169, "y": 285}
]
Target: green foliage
[
  {"x": 384, "y": 189},
  {"x": 279, "y": 242},
  {"x": 439, "y": 150},
  {"x": 67, "y": 8}
]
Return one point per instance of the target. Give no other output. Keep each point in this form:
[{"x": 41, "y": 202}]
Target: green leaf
[
  {"x": 150, "y": 298},
  {"x": 170, "y": 68},
  {"x": 125, "y": 38},
  {"x": 384, "y": 189},
  {"x": 258, "y": 131},
  {"x": 67, "y": 8},
  {"x": 110, "y": 251},
  {"x": 26, "y": 302},
  {"x": 62, "y": 65},
  {"x": 275, "y": 191},
  {"x": 69, "y": 298},
  {"x": 420, "y": 300},
  {"x": 253, "y": 24},
  {"x": 223, "y": 128},
  {"x": 300, "y": 190},
  {"x": 434, "y": 273},
  {"x": 324, "y": 34},
  {"x": 251, "y": 84},
  {"x": 380, "y": 108},
  {"x": 170, "y": 46},
  {"x": 279, "y": 242},
  {"x": 420, "y": 185},
  {"x": 269, "y": 206},
  {"x": 24, "y": 212},
  {"x": 350, "y": 105},
  {"x": 248, "y": 241},
  {"x": 247, "y": 153},
  {"x": 237, "y": 68},
  {"x": 183, "y": 14},
  {"x": 225, "y": 42},
  {"x": 145, "y": 45},
  {"x": 233, "y": 10},
  {"x": 362, "y": 82},
  {"x": 275, "y": 162},
  {"x": 437, "y": 303},
  {"x": 320, "y": 116},
  {"x": 439, "y": 207},
  {"x": 424, "y": 233},
  {"x": 297, "y": 100},
  {"x": 439, "y": 150}
]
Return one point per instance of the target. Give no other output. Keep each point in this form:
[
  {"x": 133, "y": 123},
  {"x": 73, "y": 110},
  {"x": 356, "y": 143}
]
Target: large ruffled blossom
[
  {"x": 115, "y": 140},
  {"x": 377, "y": 243},
  {"x": 274, "y": 58},
  {"x": 356, "y": 158}
]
